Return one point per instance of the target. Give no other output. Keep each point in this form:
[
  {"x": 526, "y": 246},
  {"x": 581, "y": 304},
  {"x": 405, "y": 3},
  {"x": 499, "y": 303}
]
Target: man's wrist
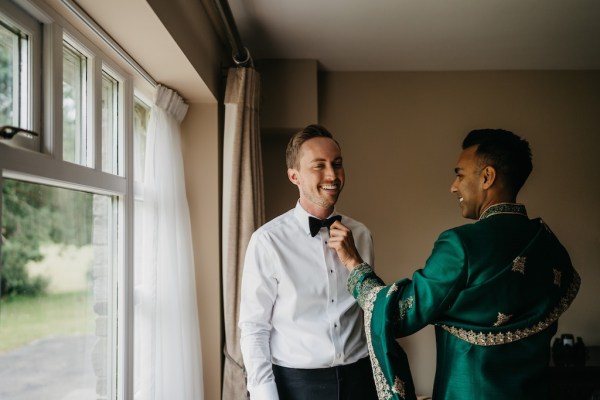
[
  {"x": 353, "y": 263},
  {"x": 264, "y": 391}
]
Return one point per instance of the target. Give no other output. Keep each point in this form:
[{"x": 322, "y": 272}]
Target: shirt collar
[
  {"x": 504, "y": 208},
  {"x": 302, "y": 216}
]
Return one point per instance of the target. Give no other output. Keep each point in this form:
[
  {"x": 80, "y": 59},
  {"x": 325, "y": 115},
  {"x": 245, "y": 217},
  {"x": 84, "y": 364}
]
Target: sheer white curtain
[
  {"x": 243, "y": 209},
  {"x": 169, "y": 354}
]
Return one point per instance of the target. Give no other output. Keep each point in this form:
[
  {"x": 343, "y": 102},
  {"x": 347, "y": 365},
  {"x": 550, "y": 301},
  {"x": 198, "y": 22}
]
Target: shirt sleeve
[
  {"x": 258, "y": 293},
  {"x": 370, "y": 250}
]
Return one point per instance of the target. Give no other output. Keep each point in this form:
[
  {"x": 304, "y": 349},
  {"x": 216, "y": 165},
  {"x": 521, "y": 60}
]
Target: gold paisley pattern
[
  {"x": 493, "y": 339},
  {"x": 519, "y": 264},
  {"x": 502, "y": 319},
  {"x": 404, "y": 306},
  {"x": 398, "y": 387}
]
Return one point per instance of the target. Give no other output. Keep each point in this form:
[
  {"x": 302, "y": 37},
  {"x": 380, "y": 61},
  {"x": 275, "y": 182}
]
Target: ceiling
[
  {"x": 147, "y": 41},
  {"x": 424, "y": 35}
]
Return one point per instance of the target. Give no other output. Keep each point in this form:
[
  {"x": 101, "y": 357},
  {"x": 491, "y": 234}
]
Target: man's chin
[
  {"x": 331, "y": 198},
  {"x": 465, "y": 212}
]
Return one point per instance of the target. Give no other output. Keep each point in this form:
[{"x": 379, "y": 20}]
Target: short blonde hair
[{"x": 310, "y": 132}]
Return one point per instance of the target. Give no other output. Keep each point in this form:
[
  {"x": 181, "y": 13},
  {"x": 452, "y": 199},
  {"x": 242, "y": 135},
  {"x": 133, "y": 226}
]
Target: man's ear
[
  {"x": 293, "y": 176},
  {"x": 488, "y": 176}
]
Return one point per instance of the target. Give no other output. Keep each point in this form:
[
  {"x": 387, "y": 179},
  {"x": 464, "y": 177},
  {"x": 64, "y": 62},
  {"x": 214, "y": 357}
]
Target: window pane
[
  {"x": 9, "y": 67},
  {"x": 20, "y": 85},
  {"x": 111, "y": 139},
  {"x": 141, "y": 117},
  {"x": 15, "y": 82},
  {"x": 57, "y": 310},
  {"x": 77, "y": 145}
]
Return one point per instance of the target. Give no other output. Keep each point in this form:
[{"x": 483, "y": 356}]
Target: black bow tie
[{"x": 316, "y": 224}]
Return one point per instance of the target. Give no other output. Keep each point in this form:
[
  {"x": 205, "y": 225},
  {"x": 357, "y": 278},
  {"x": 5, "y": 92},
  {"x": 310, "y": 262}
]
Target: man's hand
[{"x": 341, "y": 240}]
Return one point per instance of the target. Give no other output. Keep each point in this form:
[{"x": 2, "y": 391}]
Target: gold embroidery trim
[
  {"x": 393, "y": 288},
  {"x": 503, "y": 208},
  {"x": 356, "y": 274},
  {"x": 384, "y": 391},
  {"x": 366, "y": 292},
  {"x": 491, "y": 339}
]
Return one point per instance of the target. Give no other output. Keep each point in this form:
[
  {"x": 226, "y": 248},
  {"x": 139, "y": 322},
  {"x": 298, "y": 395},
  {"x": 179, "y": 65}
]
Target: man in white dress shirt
[{"x": 302, "y": 332}]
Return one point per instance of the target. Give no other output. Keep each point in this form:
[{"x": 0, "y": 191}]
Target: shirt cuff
[{"x": 265, "y": 391}]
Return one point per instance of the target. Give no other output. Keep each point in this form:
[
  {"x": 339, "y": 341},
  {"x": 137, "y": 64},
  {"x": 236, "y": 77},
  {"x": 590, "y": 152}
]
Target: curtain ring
[{"x": 241, "y": 62}]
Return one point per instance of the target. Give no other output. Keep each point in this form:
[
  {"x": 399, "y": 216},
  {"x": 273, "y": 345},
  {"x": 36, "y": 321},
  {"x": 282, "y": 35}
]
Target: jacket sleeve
[{"x": 418, "y": 301}]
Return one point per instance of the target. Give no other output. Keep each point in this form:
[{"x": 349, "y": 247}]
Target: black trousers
[{"x": 344, "y": 382}]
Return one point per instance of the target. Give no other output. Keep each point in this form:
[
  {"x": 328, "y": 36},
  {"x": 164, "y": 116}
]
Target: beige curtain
[{"x": 243, "y": 209}]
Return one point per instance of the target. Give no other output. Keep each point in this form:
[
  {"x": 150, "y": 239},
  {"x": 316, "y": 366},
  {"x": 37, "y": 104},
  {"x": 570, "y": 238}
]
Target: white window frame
[{"x": 47, "y": 165}]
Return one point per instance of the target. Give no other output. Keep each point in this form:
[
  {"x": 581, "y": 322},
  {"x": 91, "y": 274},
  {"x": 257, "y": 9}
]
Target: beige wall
[
  {"x": 400, "y": 135},
  {"x": 201, "y": 153}
]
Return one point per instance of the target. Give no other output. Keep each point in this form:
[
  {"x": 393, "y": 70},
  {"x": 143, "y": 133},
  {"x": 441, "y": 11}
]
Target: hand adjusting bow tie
[{"x": 316, "y": 224}]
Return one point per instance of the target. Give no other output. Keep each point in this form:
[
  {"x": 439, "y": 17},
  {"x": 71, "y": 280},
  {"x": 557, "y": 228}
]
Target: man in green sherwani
[{"x": 493, "y": 289}]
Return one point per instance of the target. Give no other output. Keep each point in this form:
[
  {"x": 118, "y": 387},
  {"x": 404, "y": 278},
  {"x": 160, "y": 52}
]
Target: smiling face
[
  {"x": 319, "y": 175},
  {"x": 469, "y": 184}
]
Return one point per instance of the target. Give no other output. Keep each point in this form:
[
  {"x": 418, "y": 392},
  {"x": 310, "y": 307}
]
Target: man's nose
[
  {"x": 453, "y": 188},
  {"x": 330, "y": 171}
]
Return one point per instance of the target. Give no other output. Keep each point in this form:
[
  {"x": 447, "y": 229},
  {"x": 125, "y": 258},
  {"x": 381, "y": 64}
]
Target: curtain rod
[
  {"x": 240, "y": 54},
  {"x": 85, "y": 18}
]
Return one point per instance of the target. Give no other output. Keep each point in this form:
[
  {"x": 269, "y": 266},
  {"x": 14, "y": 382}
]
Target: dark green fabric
[
  {"x": 393, "y": 361},
  {"x": 389, "y": 362},
  {"x": 494, "y": 290}
]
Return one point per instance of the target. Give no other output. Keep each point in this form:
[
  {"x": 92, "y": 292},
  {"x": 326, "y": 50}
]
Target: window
[
  {"x": 66, "y": 209},
  {"x": 111, "y": 137},
  {"x": 77, "y": 143},
  {"x": 58, "y": 311},
  {"x": 13, "y": 56},
  {"x": 20, "y": 57},
  {"x": 141, "y": 117}
]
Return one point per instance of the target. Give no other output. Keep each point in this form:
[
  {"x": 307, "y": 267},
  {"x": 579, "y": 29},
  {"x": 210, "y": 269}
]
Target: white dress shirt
[{"x": 295, "y": 308}]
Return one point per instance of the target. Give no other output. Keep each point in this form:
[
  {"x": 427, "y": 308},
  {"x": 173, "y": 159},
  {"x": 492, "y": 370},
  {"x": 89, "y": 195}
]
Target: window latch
[{"x": 8, "y": 132}]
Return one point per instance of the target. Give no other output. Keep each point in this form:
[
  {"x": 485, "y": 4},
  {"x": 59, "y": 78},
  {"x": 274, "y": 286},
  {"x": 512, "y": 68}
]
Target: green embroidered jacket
[{"x": 494, "y": 291}]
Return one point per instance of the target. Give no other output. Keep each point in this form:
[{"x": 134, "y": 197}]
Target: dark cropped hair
[
  {"x": 508, "y": 153},
  {"x": 293, "y": 147}
]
